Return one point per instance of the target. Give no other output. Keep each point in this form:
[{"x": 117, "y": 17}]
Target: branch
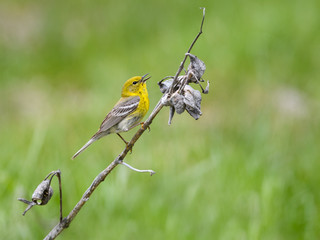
[
  {"x": 100, "y": 178},
  {"x": 175, "y": 79},
  {"x": 119, "y": 159},
  {"x": 137, "y": 170}
]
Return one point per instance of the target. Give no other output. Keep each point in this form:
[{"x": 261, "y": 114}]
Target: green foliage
[{"x": 247, "y": 169}]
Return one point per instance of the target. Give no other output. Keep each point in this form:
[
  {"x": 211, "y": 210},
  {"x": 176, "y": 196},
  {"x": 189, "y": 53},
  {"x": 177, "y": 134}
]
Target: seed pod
[
  {"x": 177, "y": 102},
  {"x": 43, "y": 193},
  {"x": 164, "y": 85},
  {"x": 196, "y": 68},
  {"x": 192, "y": 100}
]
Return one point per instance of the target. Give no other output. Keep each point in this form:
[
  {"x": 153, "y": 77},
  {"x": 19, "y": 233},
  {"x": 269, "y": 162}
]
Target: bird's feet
[{"x": 143, "y": 127}]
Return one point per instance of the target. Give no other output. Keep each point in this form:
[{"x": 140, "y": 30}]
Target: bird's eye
[{"x": 135, "y": 82}]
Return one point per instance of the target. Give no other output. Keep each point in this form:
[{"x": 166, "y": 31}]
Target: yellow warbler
[{"x": 127, "y": 113}]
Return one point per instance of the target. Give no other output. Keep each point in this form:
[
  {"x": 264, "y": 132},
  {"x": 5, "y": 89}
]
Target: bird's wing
[{"x": 122, "y": 109}]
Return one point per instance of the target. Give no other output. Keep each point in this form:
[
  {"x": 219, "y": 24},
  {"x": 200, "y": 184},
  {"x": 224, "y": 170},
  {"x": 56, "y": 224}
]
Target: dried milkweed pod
[
  {"x": 43, "y": 193},
  {"x": 182, "y": 96},
  {"x": 177, "y": 93},
  {"x": 196, "y": 68},
  {"x": 177, "y": 102},
  {"x": 40, "y": 196},
  {"x": 192, "y": 99},
  {"x": 165, "y": 85}
]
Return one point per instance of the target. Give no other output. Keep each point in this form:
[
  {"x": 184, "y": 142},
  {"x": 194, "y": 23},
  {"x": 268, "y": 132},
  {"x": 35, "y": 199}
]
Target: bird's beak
[{"x": 144, "y": 78}]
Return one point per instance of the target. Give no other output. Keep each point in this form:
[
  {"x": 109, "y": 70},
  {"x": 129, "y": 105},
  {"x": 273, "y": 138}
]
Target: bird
[{"x": 126, "y": 113}]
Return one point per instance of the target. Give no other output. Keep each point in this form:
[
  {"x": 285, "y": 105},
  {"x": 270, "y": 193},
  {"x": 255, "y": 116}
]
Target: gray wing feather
[{"x": 119, "y": 112}]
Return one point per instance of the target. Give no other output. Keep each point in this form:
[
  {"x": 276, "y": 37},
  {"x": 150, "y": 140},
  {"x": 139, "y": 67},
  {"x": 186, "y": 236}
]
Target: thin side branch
[
  {"x": 60, "y": 192},
  {"x": 175, "y": 79},
  {"x": 137, "y": 170}
]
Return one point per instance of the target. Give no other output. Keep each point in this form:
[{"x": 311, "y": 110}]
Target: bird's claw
[{"x": 142, "y": 126}]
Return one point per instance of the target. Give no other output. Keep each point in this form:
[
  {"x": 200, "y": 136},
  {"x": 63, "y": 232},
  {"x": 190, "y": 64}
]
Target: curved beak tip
[{"x": 144, "y": 79}]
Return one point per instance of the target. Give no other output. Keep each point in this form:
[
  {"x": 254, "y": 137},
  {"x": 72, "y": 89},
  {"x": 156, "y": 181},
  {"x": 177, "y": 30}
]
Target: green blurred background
[{"x": 247, "y": 169}]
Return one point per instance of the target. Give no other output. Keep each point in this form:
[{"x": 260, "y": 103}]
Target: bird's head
[{"x": 134, "y": 85}]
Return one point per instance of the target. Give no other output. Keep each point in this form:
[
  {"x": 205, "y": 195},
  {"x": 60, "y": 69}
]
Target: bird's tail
[{"x": 84, "y": 147}]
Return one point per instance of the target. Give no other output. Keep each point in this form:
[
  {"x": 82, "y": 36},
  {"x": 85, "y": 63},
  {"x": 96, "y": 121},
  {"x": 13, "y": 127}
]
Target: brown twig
[
  {"x": 60, "y": 192},
  {"x": 102, "y": 175},
  {"x": 58, "y": 174}
]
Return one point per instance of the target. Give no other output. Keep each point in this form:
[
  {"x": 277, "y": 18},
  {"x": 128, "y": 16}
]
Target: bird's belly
[{"x": 128, "y": 123}]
